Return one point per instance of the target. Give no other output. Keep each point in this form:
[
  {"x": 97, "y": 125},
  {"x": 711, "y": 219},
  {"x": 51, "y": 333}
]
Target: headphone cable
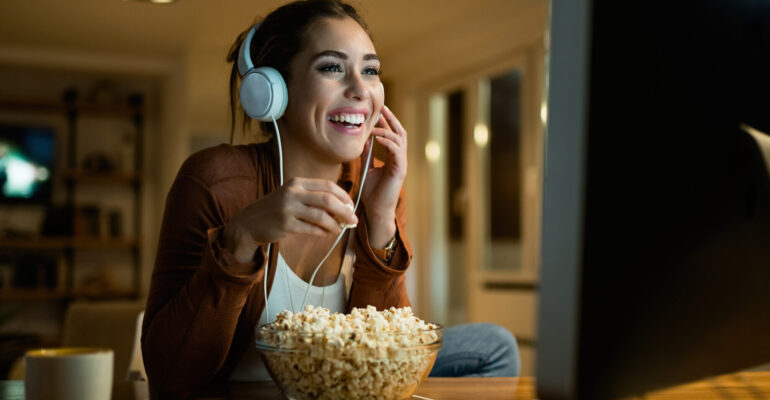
[{"x": 344, "y": 229}]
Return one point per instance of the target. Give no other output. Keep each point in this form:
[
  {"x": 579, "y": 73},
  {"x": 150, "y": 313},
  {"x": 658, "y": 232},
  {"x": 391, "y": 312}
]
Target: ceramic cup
[{"x": 68, "y": 373}]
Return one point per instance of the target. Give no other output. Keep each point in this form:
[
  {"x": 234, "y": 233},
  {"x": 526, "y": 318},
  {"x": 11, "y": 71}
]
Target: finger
[
  {"x": 339, "y": 211},
  {"x": 319, "y": 218},
  {"x": 388, "y": 134},
  {"x": 324, "y": 185},
  {"x": 302, "y": 227},
  {"x": 393, "y": 122},
  {"x": 393, "y": 148},
  {"x": 382, "y": 123}
]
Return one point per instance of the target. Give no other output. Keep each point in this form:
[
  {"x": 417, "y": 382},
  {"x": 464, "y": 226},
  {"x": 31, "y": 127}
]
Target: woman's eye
[
  {"x": 371, "y": 71},
  {"x": 330, "y": 68}
]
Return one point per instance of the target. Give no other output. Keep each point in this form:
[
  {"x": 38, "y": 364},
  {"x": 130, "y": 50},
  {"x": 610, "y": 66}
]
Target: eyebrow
[{"x": 339, "y": 54}]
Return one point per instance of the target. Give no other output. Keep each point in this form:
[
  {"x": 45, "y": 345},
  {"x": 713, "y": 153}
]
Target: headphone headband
[
  {"x": 244, "y": 53},
  {"x": 263, "y": 92}
]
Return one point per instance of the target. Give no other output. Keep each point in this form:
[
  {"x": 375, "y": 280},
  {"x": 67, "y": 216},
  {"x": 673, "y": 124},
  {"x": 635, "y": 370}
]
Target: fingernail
[
  {"x": 347, "y": 226},
  {"x": 350, "y": 206}
]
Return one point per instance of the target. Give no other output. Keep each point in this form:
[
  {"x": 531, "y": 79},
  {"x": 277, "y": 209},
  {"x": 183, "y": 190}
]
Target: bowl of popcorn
[{"x": 367, "y": 354}]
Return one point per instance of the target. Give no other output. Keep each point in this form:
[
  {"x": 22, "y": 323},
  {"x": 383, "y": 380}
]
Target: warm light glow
[
  {"x": 161, "y": 1},
  {"x": 481, "y": 134},
  {"x": 432, "y": 151},
  {"x": 543, "y": 113}
]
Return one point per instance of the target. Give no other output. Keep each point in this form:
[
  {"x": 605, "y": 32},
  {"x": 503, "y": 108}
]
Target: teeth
[{"x": 354, "y": 119}]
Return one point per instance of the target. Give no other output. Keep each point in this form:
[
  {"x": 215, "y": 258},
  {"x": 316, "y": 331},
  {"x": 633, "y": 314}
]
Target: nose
[{"x": 356, "y": 88}]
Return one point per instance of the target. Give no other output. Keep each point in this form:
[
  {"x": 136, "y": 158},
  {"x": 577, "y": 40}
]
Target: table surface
[{"x": 742, "y": 385}]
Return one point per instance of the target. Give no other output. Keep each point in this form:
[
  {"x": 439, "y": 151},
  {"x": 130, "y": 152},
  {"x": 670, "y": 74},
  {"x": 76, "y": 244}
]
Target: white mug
[{"x": 68, "y": 374}]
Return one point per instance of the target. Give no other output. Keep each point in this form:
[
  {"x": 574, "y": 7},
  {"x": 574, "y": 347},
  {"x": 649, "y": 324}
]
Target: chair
[
  {"x": 136, "y": 373},
  {"x": 111, "y": 325}
]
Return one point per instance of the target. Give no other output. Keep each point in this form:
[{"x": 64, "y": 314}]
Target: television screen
[{"x": 26, "y": 163}]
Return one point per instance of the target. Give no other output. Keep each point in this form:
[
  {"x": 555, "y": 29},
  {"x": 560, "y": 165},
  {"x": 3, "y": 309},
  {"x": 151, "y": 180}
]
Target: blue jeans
[{"x": 477, "y": 350}]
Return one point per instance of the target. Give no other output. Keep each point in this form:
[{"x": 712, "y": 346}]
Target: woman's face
[{"x": 334, "y": 91}]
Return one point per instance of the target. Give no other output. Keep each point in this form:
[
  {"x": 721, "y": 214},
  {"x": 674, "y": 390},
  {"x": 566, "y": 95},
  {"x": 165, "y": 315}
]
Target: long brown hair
[{"x": 278, "y": 39}]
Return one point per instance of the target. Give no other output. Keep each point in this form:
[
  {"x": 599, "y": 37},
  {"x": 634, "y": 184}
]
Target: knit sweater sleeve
[
  {"x": 195, "y": 297},
  {"x": 375, "y": 282}
]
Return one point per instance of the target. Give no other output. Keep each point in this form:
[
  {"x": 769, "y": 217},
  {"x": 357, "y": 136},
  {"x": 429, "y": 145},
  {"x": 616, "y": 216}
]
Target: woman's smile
[{"x": 348, "y": 120}]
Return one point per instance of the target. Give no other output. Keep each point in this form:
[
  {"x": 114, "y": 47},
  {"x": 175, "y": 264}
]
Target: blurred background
[{"x": 102, "y": 100}]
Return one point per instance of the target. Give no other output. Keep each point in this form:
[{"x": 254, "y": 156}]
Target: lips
[{"x": 348, "y": 121}]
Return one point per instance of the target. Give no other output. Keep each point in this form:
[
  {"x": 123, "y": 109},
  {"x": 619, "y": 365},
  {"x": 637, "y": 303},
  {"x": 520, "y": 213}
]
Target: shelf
[
  {"x": 509, "y": 280},
  {"x": 69, "y": 242},
  {"x": 33, "y": 105},
  {"x": 102, "y": 178},
  {"x": 57, "y": 294}
]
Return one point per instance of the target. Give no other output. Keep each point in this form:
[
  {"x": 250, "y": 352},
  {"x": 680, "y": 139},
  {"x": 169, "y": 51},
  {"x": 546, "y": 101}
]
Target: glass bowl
[{"x": 348, "y": 365}]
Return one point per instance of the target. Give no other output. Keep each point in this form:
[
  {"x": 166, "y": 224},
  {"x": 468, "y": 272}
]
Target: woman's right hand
[{"x": 300, "y": 206}]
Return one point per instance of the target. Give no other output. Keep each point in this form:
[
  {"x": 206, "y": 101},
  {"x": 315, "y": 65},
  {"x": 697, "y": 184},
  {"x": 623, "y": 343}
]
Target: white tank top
[{"x": 286, "y": 293}]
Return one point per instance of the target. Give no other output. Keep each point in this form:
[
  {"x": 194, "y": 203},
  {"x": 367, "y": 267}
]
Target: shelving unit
[{"x": 72, "y": 177}]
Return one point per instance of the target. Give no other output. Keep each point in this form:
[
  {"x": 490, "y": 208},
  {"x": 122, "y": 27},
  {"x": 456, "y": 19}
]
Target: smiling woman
[{"x": 237, "y": 242}]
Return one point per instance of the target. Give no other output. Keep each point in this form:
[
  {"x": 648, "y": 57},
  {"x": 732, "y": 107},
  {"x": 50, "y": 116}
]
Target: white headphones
[{"x": 264, "y": 95}]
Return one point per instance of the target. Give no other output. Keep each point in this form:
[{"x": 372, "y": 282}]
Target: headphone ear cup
[{"x": 263, "y": 94}]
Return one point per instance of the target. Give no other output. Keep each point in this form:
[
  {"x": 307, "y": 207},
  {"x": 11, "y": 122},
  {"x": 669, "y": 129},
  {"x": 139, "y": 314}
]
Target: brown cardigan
[{"x": 200, "y": 316}]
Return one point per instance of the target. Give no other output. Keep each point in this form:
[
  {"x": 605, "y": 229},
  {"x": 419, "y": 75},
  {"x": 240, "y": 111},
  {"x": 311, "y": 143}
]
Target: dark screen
[{"x": 675, "y": 280}]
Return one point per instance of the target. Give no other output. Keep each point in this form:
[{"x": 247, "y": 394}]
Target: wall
[{"x": 478, "y": 42}]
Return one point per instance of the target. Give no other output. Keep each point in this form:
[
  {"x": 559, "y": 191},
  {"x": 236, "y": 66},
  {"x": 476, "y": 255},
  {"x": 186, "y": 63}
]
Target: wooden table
[{"x": 743, "y": 385}]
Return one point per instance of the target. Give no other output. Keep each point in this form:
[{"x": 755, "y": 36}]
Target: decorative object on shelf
[
  {"x": 69, "y": 220},
  {"x": 126, "y": 152},
  {"x": 6, "y": 276},
  {"x": 87, "y": 221},
  {"x": 58, "y": 221},
  {"x": 36, "y": 271},
  {"x": 98, "y": 283},
  {"x": 98, "y": 162},
  {"x": 104, "y": 92},
  {"x": 115, "y": 224}
]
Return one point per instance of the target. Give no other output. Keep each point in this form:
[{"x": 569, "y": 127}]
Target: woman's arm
[
  {"x": 376, "y": 282},
  {"x": 202, "y": 278},
  {"x": 197, "y": 292}
]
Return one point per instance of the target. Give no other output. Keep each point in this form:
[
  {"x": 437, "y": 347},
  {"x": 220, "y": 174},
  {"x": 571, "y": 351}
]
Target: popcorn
[{"x": 365, "y": 354}]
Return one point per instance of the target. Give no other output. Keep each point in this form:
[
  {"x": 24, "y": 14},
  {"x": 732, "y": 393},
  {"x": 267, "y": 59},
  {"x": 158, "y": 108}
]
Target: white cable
[
  {"x": 358, "y": 199},
  {"x": 360, "y": 190},
  {"x": 269, "y": 245}
]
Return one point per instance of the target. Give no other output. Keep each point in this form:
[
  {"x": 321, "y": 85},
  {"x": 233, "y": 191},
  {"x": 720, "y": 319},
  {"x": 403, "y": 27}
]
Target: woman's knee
[{"x": 505, "y": 358}]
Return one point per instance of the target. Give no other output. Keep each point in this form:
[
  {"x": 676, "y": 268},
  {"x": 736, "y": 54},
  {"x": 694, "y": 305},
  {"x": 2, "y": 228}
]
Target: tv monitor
[
  {"x": 27, "y": 157},
  {"x": 655, "y": 254}
]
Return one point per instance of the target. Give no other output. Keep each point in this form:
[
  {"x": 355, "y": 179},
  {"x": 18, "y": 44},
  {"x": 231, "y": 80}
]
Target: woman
[{"x": 226, "y": 205}]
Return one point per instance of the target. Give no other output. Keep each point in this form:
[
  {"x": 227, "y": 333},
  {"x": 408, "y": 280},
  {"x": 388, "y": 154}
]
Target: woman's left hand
[{"x": 383, "y": 184}]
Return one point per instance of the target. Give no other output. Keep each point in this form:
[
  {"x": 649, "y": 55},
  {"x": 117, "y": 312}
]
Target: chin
[{"x": 349, "y": 152}]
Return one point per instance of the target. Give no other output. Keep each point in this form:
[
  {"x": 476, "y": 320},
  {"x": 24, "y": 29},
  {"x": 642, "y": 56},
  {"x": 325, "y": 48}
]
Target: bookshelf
[{"x": 79, "y": 228}]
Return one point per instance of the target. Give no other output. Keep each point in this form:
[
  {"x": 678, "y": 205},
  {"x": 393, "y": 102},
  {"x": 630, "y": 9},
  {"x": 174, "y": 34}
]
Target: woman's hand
[
  {"x": 301, "y": 205},
  {"x": 383, "y": 184}
]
